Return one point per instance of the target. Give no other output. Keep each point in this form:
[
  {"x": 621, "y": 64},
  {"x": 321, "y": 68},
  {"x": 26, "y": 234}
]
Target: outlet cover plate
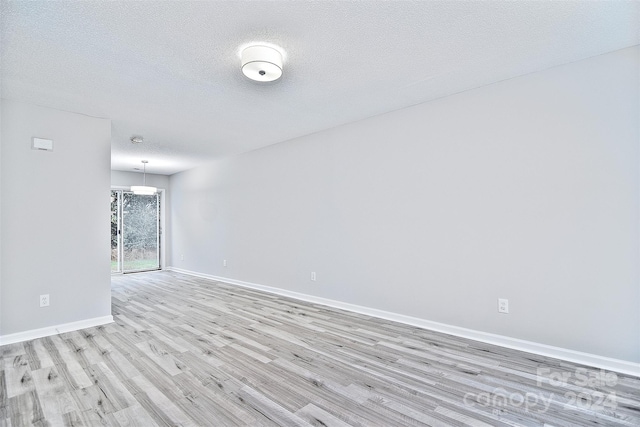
[{"x": 503, "y": 305}]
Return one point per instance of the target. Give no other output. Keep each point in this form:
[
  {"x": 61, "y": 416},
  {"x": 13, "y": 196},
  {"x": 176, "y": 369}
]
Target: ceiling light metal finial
[{"x": 144, "y": 189}]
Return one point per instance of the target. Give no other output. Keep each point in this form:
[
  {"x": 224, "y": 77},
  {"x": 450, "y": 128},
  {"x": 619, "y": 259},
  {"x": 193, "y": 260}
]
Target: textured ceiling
[{"x": 170, "y": 71}]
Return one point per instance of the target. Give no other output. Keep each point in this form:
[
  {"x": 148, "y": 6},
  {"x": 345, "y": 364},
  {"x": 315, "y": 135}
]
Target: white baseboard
[
  {"x": 54, "y": 330},
  {"x": 602, "y": 362}
]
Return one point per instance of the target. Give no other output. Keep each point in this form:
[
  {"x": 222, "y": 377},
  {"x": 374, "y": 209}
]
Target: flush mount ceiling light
[
  {"x": 262, "y": 63},
  {"x": 136, "y": 139},
  {"x": 143, "y": 189}
]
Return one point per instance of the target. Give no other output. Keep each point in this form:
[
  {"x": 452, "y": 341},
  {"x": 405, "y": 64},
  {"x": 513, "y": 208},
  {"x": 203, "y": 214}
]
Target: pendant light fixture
[{"x": 143, "y": 189}]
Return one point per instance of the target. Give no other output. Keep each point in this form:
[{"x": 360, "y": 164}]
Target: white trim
[
  {"x": 54, "y": 330},
  {"x": 602, "y": 362}
]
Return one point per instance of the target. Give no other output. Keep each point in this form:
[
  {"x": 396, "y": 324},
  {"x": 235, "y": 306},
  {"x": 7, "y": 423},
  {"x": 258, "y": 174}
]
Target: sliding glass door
[
  {"x": 135, "y": 232},
  {"x": 115, "y": 231}
]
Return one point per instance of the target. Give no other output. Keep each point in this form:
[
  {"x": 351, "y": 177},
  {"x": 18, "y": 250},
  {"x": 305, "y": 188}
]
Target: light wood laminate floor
[{"x": 193, "y": 352}]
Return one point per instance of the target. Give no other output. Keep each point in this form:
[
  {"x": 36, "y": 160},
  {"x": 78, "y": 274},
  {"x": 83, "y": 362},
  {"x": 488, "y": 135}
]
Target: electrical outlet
[
  {"x": 44, "y": 300},
  {"x": 503, "y": 305},
  {"x": 313, "y": 276},
  {"x": 224, "y": 262},
  {"x": 181, "y": 257}
]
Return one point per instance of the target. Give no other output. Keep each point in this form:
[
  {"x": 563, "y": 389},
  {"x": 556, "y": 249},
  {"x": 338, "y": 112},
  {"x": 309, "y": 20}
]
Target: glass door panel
[
  {"x": 140, "y": 229},
  {"x": 115, "y": 231}
]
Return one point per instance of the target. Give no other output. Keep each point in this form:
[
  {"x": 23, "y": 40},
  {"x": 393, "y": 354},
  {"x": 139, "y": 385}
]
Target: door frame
[{"x": 162, "y": 226}]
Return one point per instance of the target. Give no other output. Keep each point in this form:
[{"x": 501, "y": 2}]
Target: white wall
[
  {"x": 54, "y": 209},
  {"x": 123, "y": 179},
  {"x": 527, "y": 189}
]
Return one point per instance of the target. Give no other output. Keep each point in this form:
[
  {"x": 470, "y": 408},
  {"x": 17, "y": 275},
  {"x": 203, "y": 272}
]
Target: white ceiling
[{"x": 170, "y": 71}]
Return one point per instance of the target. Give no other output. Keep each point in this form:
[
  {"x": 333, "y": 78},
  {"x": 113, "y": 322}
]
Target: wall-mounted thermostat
[{"x": 42, "y": 144}]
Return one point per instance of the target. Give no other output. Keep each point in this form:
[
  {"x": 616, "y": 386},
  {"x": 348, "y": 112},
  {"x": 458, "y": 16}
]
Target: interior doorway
[{"x": 135, "y": 232}]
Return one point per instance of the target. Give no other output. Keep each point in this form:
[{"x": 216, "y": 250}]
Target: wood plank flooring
[{"x": 185, "y": 351}]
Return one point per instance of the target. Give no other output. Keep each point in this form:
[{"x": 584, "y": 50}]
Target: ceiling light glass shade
[
  {"x": 262, "y": 63},
  {"x": 144, "y": 190}
]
